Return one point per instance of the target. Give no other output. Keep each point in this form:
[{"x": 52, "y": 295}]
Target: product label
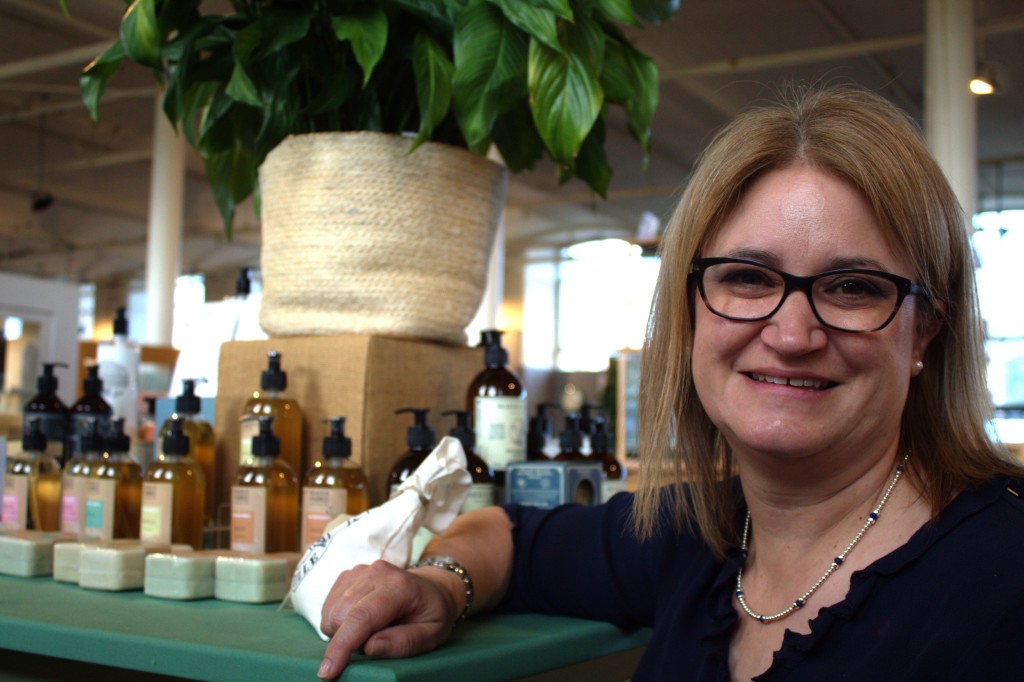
[
  {"x": 157, "y": 509},
  {"x": 480, "y": 495},
  {"x": 14, "y": 514},
  {"x": 99, "y": 507},
  {"x": 319, "y": 506},
  {"x": 248, "y": 519},
  {"x": 500, "y": 425},
  {"x": 53, "y": 426},
  {"x": 612, "y": 487},
  {"x": 72, "y": 504},
  {"x": 248, "y": 429},
  {"x": 78, "y": 424}
]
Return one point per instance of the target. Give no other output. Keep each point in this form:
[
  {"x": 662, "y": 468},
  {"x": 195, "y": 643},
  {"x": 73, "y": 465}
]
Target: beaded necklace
[{"x": 836, "y": 563}]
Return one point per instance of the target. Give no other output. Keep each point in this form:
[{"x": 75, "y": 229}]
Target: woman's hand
[{"x": 388, "y": 611}]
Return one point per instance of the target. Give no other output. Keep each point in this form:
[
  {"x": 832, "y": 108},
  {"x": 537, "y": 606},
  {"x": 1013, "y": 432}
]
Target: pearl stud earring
[{"x": 919, "y": 365}]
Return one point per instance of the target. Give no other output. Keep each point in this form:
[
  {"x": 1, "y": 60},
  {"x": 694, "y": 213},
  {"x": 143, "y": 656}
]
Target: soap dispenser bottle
[
  {"x": 541, "y": 444},
  {"x": 118, "y": 360},
  {"x": 497, "y": 400},
  {"x": 570, "y": 440},
  {"x": 201, "y": 438},
  {"x": 75, "y": 477},
  {"x": 421, "y": 439},
  {"x": 270, "y": 401},
  {"x": 31, "y": 491},
  {"x": 172, "y": 493},
  {"x": 265, "y": 497},
  {"x": 613, "y": 474},
  {"x": 89, "y": 412},
  {"x": 333, "y": 485},
  {"x": 113, "y": 499},
  {"x": 49, "y": 410},
  {"x": 482, "y": 492}
]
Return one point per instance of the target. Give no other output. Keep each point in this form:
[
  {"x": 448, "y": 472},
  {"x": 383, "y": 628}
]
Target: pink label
[
  {"x": 69, "y": 512},
  {"x": 9, "y": 512}
]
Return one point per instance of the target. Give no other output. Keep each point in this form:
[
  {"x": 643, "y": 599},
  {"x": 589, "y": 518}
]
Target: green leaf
[
  {"x": 368, "y": 32},
  {"x": 283, "y": 26},
  {"x": 433, "y": 71},
  {"x": 618, "y": 10},
  {"x": 565, "y": 99},
  {"x": 490, "y": 56},
  {"x": 538, "y": 23},
  {"x": 140, "y": 34},
  {"x": 93, "y": 80},
  {"x": 630, "y": 78},
  {"x": 592, "y": 163},
  {"x": 517, "y": 140},
  {"x": 233, "y": 177},
  {"x": 655, "y": 11},
  {"x": 241, "y": 86}
]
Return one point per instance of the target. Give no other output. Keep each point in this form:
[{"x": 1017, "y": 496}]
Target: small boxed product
[
  {"x": 116, "y": 567},
  {"x": 182, "y": 575},
  {"x": 29, "y": 553},
  {"x": 254, "y": 578}
]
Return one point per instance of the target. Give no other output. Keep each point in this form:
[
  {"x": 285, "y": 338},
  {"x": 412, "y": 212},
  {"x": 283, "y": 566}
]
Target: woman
[{"x": 814, "y": 367}]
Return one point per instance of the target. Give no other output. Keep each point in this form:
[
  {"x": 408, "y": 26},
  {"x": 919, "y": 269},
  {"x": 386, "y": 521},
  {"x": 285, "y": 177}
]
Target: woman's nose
[{"x": 794, "y": 328}]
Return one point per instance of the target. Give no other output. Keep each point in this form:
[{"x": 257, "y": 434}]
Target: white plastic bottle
[{"x": 118, "y": 360}]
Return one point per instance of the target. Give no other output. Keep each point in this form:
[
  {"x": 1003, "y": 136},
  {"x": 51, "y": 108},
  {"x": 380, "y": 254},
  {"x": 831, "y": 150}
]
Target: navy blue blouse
[{"x": 948, "y": 605}]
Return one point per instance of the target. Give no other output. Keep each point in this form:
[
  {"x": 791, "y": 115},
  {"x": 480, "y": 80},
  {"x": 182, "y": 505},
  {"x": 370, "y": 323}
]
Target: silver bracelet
[{"x": 450, "y": 564}]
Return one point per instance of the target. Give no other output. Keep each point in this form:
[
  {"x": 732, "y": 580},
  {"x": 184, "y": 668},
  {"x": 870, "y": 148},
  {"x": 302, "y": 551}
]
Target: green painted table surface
[{"x": 219, "y": 640}]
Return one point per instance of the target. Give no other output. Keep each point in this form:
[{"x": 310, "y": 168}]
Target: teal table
[{"x": 51, "y": 630}]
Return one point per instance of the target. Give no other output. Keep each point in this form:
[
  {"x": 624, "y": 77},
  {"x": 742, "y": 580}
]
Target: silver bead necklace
[{"x": 801, "y": 601}]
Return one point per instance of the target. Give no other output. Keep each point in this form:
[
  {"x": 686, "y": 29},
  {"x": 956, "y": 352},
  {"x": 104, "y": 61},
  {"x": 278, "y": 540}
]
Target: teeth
[{"x": 799, "y": 383}]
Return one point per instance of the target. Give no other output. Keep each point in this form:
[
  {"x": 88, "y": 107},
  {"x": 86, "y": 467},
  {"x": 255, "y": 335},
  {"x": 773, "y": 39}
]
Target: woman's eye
[
  {"x": 856, "y": 287},
  {"x": 749, "y": 277}
]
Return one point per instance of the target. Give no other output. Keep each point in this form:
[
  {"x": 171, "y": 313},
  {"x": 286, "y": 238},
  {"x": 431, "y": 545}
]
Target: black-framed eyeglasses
[{"x": 849, "y": 300}]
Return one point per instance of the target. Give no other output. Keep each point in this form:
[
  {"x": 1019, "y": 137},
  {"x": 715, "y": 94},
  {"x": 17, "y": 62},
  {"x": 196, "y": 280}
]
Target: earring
[{"x": 919, "y": 365}]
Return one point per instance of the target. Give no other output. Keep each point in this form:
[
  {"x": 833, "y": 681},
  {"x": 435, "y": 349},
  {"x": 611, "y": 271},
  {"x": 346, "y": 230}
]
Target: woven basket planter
[{"x": 362, "y": 237}]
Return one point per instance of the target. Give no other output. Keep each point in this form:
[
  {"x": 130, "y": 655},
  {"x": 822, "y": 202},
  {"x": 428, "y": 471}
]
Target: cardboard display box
[{"x": 360, "y": 377}]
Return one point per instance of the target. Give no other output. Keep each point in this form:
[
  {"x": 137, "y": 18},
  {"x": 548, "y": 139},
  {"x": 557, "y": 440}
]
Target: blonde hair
[{"x": 858, "y": 136}]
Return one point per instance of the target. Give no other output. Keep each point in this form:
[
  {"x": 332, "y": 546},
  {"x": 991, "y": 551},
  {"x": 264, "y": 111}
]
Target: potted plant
[{"x": 528, "y": 77}]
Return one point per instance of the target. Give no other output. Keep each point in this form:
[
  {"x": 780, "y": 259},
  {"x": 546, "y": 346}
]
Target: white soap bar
[
  {"x": 254, "y": 578},
  {"x": 67, "y": 555},
  {"x": 29, "y": 553},
  {"x": 188, "y": 575},
  {"x": 117, "y": 566}
]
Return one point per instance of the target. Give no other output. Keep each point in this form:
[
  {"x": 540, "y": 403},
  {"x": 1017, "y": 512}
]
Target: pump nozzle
[
  {"x": 176, "y": 442},
  {"x": 34, "y": 440},
  {"x": 243, "y": 283},
  {"x": 92, "y": 385},
  {"x": 118, "y": 441},
  {"x": 273, "y": 378},
  {"x": 494, "y": 354},
  {"x": 47, "y": 382},
  {"x": 337, "y": 444},
  {"x": 265, "y": 443},
  {"x": 571, "y": 438},
  {"x": 601, "y": 439},
  {"x": 188, "y": 402},
  {"x": 420, "y": 436},
  {"x": 121, "y": 322},
  {"x": 462, "y": 430}
]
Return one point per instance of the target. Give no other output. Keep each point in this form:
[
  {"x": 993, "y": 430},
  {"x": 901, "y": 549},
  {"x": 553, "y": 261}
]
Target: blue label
[{"x": 94, "y": 514}]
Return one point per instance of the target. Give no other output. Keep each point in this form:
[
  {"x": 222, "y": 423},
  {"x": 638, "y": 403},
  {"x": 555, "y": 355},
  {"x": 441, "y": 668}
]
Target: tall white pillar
[
  {"x": 166, "y": 225},
  {"x": 950, "y": 110}
]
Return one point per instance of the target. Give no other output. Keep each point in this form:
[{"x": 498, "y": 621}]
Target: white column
[
  {"x": 950, "y": 110},
  {"x": 166, "y": 225}
]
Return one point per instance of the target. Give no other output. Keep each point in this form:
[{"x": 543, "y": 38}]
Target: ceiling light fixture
[{"x": 984, "y": 81}]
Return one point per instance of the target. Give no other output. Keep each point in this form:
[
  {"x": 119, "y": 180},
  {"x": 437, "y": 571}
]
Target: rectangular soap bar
[
  {"x": 29, "y": 553},
  {"x": 184, "y": 575},
  {"x": 254, "y": 578},
  {"x": 117, "y": 566},
  {"x": 67, "y": 555}
]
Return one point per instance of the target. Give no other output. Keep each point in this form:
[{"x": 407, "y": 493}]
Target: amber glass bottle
[
  {"x": 113, "y": 501},
  {"x": 482, "y": 492},
  {"x": 421, "y": 439},
  {"x": 89, "y": 410},
  {"x": 497, "y": 400},
  {"x": 172, "y": 493},
  {"x": 613, "y": 474},
  {"x": 31, "y": 490},
  {"x": 75, "y": 477},
  {"x": 333, "y": 485},
  {"x": 201, "y": 438},
  {"x": 265, "y": 497},
  {"x": 270, "y": 401}
]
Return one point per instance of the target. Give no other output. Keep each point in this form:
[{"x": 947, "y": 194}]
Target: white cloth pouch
[{"x": 431, "y": 497}]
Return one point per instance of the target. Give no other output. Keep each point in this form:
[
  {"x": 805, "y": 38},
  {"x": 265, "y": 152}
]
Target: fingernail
[{"x": 324, "y": 673}]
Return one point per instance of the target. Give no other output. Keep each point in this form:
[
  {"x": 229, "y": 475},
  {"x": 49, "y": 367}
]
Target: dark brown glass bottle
[
  {"x": 91, "y": 407},
  {"x": 613, "y": 474},
  {"x": 482, "y": 492},
  {"x": 50, "y": 411},
  {"x": 570, "y": 440},
  {"x": 497, "y": 400},
  {"x": 421, "y": 440}
]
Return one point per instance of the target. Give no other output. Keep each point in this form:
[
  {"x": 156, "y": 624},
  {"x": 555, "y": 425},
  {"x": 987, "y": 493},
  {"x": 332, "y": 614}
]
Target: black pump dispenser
[
  {"x": 337, "y": 444},
  {"x": 462, "y": 430},
  {"x": 273, "y": 378},
  {"x": 188, "y": 401},
  {"x": 243, "y": 284},
  {"x": 47, "y": 382},
  {"x": 121, "y": 322},
  {"x": 117, "y": 440},
  {"x": 176, "y": 442},
  {"x": 420, "y": 435},
  {"x": 33, "y": 439},
  {"x": 91, "y": 440},
  {"x": 571, "y": 438},
  {"x": 494, "y": 354},
  {"x": 601, "y": 437},
  {"x": 92, "y": 385},
  {"x": 265, "y": 443}
]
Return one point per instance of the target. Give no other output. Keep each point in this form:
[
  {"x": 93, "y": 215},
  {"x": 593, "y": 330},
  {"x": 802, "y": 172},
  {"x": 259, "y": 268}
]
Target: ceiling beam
[{"x": 55, "y": 60}]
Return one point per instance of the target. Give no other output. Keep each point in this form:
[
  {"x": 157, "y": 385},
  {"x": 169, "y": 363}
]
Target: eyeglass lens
[{"x": 852, "y": 300}]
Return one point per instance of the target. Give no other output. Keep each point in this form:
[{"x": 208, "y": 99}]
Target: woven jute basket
[{"x": 360, "y": 236}]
